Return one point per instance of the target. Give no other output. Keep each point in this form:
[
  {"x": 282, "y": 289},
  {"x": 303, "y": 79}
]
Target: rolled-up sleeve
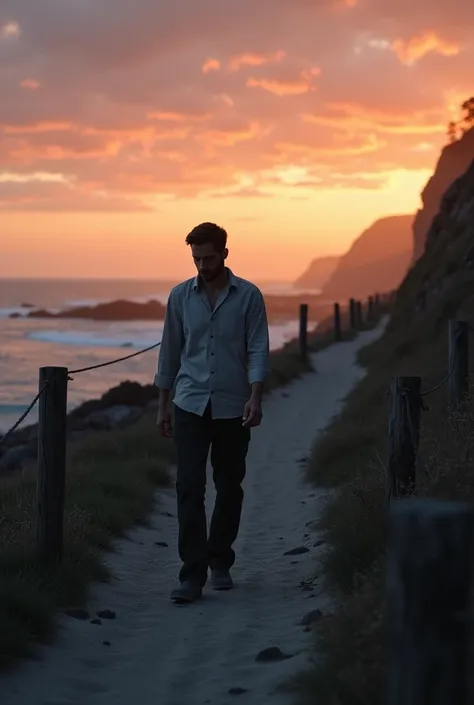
[
  {"x": 258, "y": 343},
  {"x": 172, "y": 341}
]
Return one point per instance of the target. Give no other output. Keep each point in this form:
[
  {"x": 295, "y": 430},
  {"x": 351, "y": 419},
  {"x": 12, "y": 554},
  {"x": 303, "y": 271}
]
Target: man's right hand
[{"x": 164, "y": 422}]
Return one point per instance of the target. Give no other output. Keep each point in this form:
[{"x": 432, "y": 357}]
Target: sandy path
[{"x": 158, "y": 653}]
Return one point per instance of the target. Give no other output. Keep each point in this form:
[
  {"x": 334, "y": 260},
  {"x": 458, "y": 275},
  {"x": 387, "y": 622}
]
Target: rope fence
[{"x": 30, "y": 408}]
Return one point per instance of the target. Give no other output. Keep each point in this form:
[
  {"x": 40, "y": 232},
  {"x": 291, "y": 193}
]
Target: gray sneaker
[
  {"x": 221, "y": 579},
  {"x": 188, "y": 591}
]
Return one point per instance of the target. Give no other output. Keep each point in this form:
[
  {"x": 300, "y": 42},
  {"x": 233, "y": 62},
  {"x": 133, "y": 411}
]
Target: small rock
[
  {"x": 78, "y": 614},
  {"x": 167, "y": 514},
  {"x": 297, "y": 551},
  {"x": 96, "y": 621},
  {"x": 303, "y": 502},
  {"x": 273, "y": 653},
  {"x": 237, "y": 691},
  {"x": 307, "y": 629},
  {"x": 285, "y": 394},
  {"x": 106, "y": 614},
  {"x": 106, "y": 643},
  {"x": 319, "y": 543},
  {"x": 310, "y": 618},
  {"x": 306, "y": 536},
  {"x": 312, "y": 495},
  {"x": 161, "y": 543}
]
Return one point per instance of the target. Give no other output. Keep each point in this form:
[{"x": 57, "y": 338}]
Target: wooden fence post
[
  {"x": 51, "y": 478},
  {"x": 337, "y": 322},
  {"x": 352, "y": 314},
  {"x": 403, "y": 434},
  {"x": 429, "y": 579},
  {"x": 377, "y": 304},
  {"x": 359, "y": 315},
  {"x": 458, "y": 361},
  {"x": 370, "y": 309},
  {"x": 304, "y": 332}
]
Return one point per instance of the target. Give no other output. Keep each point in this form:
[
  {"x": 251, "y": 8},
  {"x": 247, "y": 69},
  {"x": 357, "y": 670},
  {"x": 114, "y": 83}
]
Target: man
[{"x": 214, "y": 354}]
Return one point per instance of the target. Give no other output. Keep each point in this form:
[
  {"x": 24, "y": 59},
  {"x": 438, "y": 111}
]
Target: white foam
[
  {"x": 17, "y": 310},
  {"x": 111, "y": 339}
]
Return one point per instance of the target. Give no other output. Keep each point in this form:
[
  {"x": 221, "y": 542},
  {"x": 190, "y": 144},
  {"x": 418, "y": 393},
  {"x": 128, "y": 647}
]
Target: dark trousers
[{"x": 229, "y": 443}]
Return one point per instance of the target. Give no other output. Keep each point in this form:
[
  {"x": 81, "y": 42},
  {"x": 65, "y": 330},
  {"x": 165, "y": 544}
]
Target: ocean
[{"x": 28, "y": 344}]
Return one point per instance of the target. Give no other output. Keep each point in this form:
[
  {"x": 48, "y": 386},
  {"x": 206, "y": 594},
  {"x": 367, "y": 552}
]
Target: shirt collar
[{"x": 232, "y": 280}]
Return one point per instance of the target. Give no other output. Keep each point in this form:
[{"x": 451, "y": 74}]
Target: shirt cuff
[
  {"x": 257, "y": 376},
  {"x": 164, "y": 381}
]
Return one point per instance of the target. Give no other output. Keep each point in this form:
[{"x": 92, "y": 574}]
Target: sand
[{"x": 156, "y": 653}]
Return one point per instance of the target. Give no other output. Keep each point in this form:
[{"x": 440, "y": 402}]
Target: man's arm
[
  {"x": 258, "y": 343},
  {"x": 172, "y": 341}
]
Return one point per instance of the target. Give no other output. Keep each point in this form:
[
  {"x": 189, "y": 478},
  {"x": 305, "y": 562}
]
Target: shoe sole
[
  {"x": 222, "y": 588},
  {"x": 184, "y": 600}
]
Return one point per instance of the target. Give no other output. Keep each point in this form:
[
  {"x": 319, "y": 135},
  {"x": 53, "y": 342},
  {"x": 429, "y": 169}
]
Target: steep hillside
[
  {"x": 317, "y": 273},
  {"x": 441, "y": 284},
  {"x": 352, "y": 453},
  {"x": 377, "y": 261},
  {"x": 453, "y": 162}
]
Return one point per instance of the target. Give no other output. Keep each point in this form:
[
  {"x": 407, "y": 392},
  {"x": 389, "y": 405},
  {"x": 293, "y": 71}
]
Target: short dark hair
[{"x": 208, "y": 233}]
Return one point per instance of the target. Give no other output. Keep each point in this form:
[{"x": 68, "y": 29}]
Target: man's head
[{"x": 208, "y": 244}]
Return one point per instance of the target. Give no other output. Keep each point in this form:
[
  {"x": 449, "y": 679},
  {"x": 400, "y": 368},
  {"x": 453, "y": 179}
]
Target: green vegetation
[
  {"x": 351, "y": 456},
  {"x": 457, "y": 129},
  {"x": 111, "y": 478}
]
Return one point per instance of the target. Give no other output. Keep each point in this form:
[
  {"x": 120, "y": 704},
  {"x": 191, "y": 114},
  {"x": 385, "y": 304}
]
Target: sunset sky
[{"x": 292, "y": 123}]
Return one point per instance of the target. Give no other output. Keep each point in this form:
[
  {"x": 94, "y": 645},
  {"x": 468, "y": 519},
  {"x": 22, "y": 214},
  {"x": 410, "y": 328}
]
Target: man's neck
[{"x": 219, "y": 283}]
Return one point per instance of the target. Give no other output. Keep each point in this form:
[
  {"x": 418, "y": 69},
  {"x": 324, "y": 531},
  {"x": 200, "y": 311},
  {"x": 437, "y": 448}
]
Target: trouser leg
[
  {"x": 192, "y": 435},
  {"x": 230, "y": 442}
]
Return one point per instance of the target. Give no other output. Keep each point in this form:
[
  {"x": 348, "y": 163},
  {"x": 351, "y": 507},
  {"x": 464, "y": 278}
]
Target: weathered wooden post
[
  {"x": 377, "y": 304},
  {"x": 359, "y": 315},
  {"x": 304, "y": 332},
  {"x": 352, "y": 314},
  {"x": 429, "y": 580},
  {"x": 458, "y": 361},
  {"x": 403, "y": 434},
  {"x": 51, "y": 478},
  {"x": 370, "y": 309},
  {"x": 337, "y": 322}
]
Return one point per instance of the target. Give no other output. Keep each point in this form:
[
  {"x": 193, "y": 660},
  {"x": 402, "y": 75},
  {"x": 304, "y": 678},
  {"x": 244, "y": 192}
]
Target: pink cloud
[{"x": 126, "y": 103}]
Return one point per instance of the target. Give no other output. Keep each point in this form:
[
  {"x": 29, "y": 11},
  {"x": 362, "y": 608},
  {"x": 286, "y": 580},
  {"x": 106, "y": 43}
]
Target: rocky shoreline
[
  {"x": 119, "y": 406},
  {"x": 279, "y": 308}
]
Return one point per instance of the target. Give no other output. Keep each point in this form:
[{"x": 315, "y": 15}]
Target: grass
[
  {"x": 111, "y": 478},
  {"x": 111, "y": 481},
  {"x": 351, "y": 456}
]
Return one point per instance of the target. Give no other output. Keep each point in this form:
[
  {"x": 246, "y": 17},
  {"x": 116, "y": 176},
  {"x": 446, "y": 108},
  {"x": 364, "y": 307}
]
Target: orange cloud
[
  {"x": 353, "y": 118},
  {"x": 417, "y": 47},
  {"x": 211, "y": 65},
  {"x": 251, "y": 59},
  {"x": 299, "y": 86},
  {"x": 229, "y": 138},
  {"x": 36, "y": 128}
]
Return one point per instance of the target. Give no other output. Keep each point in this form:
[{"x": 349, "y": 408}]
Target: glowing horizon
[{"x": 121, "y": 132}]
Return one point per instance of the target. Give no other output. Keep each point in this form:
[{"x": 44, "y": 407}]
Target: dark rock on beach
[{"x": 118, "y": 407}]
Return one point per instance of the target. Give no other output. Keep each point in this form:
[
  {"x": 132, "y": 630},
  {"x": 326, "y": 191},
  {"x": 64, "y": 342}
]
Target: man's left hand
[{"x": 252, "y": 413}]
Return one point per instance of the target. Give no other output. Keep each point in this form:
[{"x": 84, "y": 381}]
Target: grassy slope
[{"x": 351, "y": 454}]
